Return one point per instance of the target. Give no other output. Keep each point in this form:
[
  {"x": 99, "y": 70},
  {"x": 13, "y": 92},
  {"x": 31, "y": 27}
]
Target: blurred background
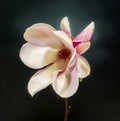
[{"x": 98, "y": 97}]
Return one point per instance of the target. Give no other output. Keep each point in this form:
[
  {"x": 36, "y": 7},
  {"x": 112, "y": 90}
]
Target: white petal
[
  {"x": 43, "y": 78},
  {"x": 65, "y": 26},
  {"x": 37, "y": 57},
  {"x": 61, "y": 83},
  {"x": 83, "y": 47},
  {"x": 66, "y": 84},
  {"x": 64, "y": 38},
  {"x": 41, "y": 34},
  {"x": 72, "y": 60},
  {"x": 83, "y": 67}
]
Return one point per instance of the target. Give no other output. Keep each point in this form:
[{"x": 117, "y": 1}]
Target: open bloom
[{"x": 57, "y": 55}]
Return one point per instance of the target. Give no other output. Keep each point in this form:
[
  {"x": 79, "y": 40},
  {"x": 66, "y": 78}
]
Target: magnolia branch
[{"x": 67, "y": 109}]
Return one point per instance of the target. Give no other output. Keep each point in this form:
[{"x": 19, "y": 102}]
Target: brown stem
[{"x": 67, "y": 109}]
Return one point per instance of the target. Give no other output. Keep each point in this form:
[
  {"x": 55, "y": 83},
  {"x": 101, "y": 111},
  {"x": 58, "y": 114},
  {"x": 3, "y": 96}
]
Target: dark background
[{"x": 98, "y": 97}]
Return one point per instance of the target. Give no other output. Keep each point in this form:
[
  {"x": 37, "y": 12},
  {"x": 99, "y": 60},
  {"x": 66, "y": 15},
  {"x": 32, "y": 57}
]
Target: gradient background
[{"x": 98, "y": 97}]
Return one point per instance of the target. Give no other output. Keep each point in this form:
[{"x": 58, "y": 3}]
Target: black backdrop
[{"x": 98, "y": 97}]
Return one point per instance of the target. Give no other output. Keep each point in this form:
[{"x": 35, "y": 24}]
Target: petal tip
[
  {"x": 24, "y": 34},
  {"x": 31, "y": 94},
  {"x": 65, "y": 26},
  {"x": 31, "y": 91},
  {"x": 92, "y": 25},
  {"x": 65, "y": 18},
  {"x": 93, "y": 22}
]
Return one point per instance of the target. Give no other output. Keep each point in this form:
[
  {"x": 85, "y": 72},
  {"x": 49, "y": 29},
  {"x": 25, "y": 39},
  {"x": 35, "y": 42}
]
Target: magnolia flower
[{"x": 57, "y": 55}]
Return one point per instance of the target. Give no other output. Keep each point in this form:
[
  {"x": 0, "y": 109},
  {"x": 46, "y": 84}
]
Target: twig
[{"x": 67, "y": 109}]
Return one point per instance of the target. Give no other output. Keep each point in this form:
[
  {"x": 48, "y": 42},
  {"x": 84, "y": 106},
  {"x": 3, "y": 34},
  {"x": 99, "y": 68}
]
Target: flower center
[{"x": 64, "y": 53}]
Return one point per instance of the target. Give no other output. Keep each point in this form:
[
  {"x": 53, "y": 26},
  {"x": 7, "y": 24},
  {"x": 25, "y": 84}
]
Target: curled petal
[
  {"x": 83, "y": 67},
  {"x": 65, "y": 26},
  {"x": 44, "y": 78},
  {"x": 41, "y": 80},
  {"x": 66, "y": 84},
  {"x": 37, "y": 57},
  {"x": 83, "y": 47},
  {"x": 86, "y": 34},
  {"x": 64, "y": 38},
  {"x": 42, "y": 35},
  {"x": 61, "y": 83}
]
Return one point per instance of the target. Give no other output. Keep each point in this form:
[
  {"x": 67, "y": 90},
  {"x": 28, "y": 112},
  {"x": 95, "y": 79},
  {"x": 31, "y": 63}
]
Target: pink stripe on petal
[{"x": 72, "y": 61}]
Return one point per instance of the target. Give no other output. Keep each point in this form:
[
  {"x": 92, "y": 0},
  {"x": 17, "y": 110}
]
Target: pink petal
[
  {"x": 66, "y": 84},
  {"x": 64, "y": 38},
  {"x": 65, "y": 26},
  {"x": 37, "y": 57},
  {"x": 83, "y": 47},
  {"x": 85, "y": 35},
  {"x": 42, "y": 78},
  {"x": 83, "y": 67},
  {"x": 42, "y": 35}
]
